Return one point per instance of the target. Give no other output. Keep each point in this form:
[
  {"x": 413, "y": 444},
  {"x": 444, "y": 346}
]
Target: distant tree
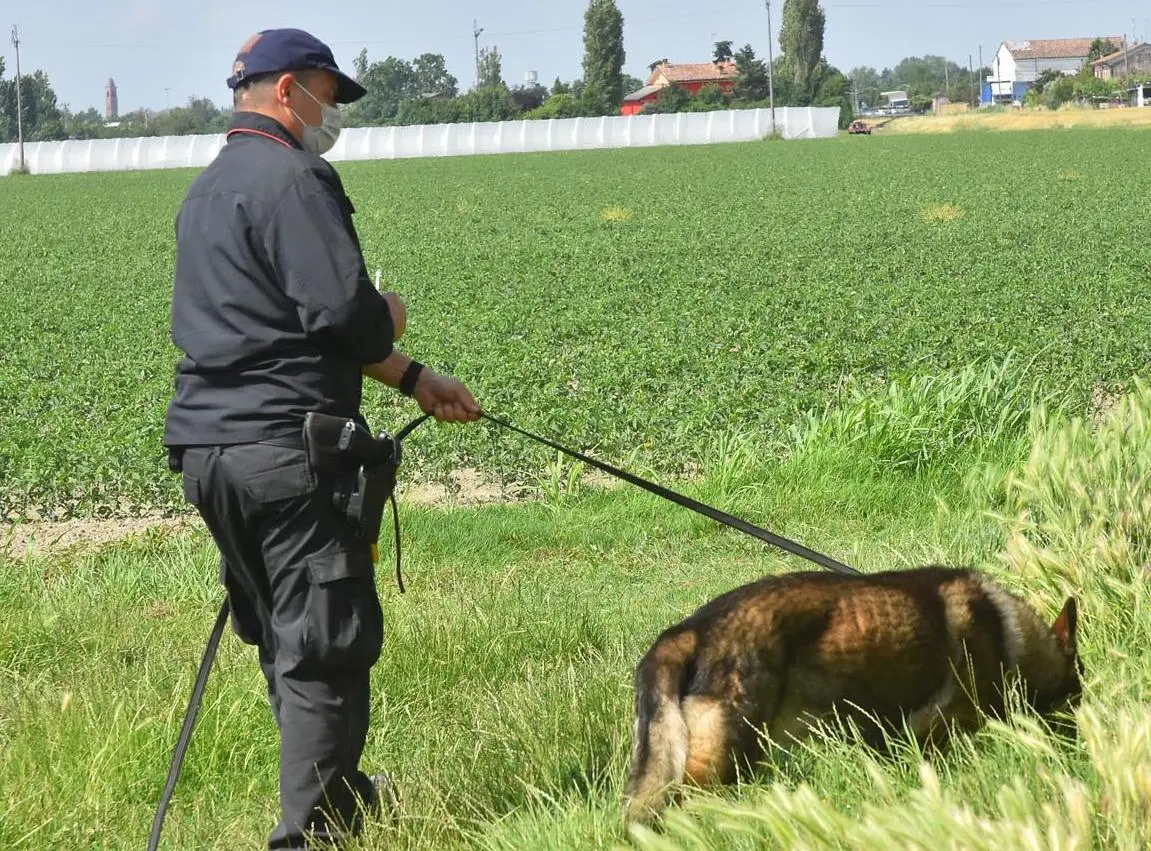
[
  {"x": 562, "y": 105},
  {"x": 672, "y": 98},
  {"x": 489, "y": 103},
  {"x": 527, "y": 98},
  {"x": 833, "y": 89},
  {"x": 491, "y": 69},
  {"x": 431, "y": 111},
  {"x": 1101, "y": 47},
  {"x": 712, "y": 95},
  {"x": 1044, "y": 79},
  {"x": 801, "y": 37},
  {"x": 603, "y": 57},
  {"x": 751, "y": 83},
  {"x": 432, "y": 77},
  {"x": 389, "y": 83},
  {"x": 1059, "y": 92},
  {"x": 920, "y": 103},
  {"x": 39, "y": 112},
  {"x": 722, "y": 52},
  {"x": 630, "y": 83},
  {"x": 1095, "y": 87}
]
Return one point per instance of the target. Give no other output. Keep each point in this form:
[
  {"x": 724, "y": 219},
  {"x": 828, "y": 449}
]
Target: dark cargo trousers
[{"x": 302, "y": 590}]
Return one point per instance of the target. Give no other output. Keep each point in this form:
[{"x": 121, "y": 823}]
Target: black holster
[{"x": 363, "y": 468}]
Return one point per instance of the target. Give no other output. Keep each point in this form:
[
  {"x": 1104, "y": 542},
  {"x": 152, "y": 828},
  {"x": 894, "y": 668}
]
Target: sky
[{"x": 164, "y": 52}]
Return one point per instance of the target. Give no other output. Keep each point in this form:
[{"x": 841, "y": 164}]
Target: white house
[{"x": 1017, "y": 64}]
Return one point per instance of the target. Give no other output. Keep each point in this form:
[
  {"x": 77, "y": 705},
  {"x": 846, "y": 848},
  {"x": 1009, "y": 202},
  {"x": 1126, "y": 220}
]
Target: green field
[
  {"x": 748, "y": 286},
  {"x": 897, "y": 350}
]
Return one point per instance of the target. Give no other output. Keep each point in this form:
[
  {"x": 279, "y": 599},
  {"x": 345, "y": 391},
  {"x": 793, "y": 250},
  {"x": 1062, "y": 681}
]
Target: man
[{"x": 276, "y": 316}]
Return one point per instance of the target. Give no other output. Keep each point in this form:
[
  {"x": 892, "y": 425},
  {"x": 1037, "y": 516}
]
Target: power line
[
  {"x": 967, "y": 5},
  {"x": 710, "y": 12}
]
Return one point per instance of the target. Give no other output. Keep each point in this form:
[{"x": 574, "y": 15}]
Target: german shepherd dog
[{"x": 929, "y": 650}]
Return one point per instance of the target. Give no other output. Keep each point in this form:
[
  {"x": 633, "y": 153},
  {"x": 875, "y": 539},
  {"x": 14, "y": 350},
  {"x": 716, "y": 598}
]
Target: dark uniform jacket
[{"x": 272, "y": 304}]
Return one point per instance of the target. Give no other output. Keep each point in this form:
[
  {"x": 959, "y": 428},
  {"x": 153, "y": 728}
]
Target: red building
[{"x": 691, "y": 77}]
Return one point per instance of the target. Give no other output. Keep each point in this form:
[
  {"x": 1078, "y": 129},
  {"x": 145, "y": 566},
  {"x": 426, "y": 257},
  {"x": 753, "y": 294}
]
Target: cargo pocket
[
  {"x": 281, "y": 483},
  {"x": 344, "y": 622}
]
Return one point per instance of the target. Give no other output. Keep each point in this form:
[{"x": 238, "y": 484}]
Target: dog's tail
[{"x": 660, "y": 747}]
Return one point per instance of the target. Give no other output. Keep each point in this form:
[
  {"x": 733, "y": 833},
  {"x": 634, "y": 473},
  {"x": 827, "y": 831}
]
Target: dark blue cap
[{"x": 272, "y": 51}]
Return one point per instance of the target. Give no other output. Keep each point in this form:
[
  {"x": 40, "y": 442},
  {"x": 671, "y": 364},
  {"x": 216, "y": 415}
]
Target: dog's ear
[{"x": 1065, "y": 626}]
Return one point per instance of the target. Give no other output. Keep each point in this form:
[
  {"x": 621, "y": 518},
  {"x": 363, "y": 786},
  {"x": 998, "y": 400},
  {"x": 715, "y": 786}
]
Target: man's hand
[
  {"x": 445, "y": 398},
  {"x": 399, "y": 314}
]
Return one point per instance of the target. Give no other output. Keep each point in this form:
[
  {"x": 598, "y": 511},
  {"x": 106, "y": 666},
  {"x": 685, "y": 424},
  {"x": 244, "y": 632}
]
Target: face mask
[{"x": 319, "y": 140}]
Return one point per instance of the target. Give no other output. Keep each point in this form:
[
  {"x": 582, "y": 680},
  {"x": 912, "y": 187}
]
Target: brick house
[{"x": 692, "y": 77}]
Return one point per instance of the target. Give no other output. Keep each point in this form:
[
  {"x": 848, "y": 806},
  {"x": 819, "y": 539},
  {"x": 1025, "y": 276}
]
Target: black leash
[
  {"x": 189, "y": 723},
  {"x": 399, "y": 439},
  {"x": 659, "y": 490},
  {"x": 687, "y": 502}
]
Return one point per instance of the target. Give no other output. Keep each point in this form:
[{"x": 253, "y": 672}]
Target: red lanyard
[{"x": 258, "y": 133}]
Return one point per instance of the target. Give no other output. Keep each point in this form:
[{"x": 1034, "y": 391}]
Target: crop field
[
  {"x": 625, "y": 301},
  {"x": 897, "y": 349}
]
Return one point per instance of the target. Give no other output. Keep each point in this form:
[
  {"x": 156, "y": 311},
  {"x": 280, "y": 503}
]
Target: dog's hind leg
[
  {"x": 659, "y": 754},
  {"x": 659, "y": 758},
  {"x": 709, "y": 741}
]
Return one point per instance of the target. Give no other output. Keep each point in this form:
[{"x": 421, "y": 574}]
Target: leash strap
[
  {"x": 659, "y": 490},
  {"x": 399, "y": 439},
  {"x": 189, "y": 722},
  {"x": 687, "y": 502}
]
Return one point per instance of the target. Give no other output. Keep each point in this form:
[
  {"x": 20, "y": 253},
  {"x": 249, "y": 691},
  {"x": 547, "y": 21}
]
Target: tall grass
[
  {"x": 1075, "y": 517},
  {"x": 926, "y": 420}
]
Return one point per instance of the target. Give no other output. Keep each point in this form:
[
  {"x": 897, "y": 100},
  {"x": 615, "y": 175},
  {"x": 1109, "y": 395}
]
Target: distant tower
[{"x": 111, "y": 104}]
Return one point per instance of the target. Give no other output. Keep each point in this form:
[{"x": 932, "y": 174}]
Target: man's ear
[{"x": 284, "y": 85}]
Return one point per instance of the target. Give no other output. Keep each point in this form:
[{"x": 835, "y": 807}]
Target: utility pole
[
  {"x": 981, "y": 74},
  {"x": 19, "y": 98},
  {"x": 770, "y": 65},
  {"x": 476, "y": 32},
  {"x": 971, "y": 71},
  {"x": 1127, "y": 52}
]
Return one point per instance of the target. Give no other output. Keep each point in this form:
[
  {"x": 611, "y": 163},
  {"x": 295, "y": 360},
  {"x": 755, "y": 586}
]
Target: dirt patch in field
[
  {"x": 1103, "y": 404},
  {"x": 44, "y": 536},
  {"x": 39, "y": 537},
  {"x": 464, "y": 487},
  {"x": 942, "y": 213}
]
